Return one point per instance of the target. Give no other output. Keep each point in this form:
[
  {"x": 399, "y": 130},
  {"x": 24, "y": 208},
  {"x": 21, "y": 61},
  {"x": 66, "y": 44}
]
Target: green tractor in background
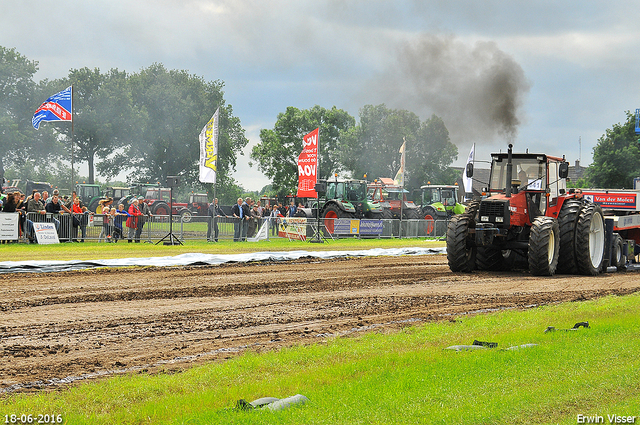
[
  {"x": 439, "y": 203},
  {"x": 344, "y": 199}
]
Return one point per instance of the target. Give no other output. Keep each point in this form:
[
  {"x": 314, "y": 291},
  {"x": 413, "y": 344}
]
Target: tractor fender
[
  {"x": 343, "y": 206},
  {"x": 438, "y": 206},
  {"x": 305, "y": 212}
]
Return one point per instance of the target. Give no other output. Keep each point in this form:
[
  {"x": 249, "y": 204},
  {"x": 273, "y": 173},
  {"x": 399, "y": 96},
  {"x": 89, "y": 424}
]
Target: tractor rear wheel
[
  {"x": 329, "y": 215},
  {"x": 411, "y": 214},
  {"x": 461, "y": 253},
  {"x": 489, "y": 258},
  {"x": 160, "y": 208},
  {"x": 544, "y": 244},
  {"x": 590, "y": 240},
  {"x": 567, "y": 220},
  {"x": 430, "y": 215},
  {"x": 618, "y": 257}
]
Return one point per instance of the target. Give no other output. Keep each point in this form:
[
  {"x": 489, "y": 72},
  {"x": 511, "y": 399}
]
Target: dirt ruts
[{"x": 56, "y": 328}]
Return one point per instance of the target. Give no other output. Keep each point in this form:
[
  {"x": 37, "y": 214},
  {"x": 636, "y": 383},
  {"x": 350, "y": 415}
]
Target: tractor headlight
[{"x": 499, "y": 219}]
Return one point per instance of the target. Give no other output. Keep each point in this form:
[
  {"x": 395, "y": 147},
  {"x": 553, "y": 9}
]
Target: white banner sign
[
  {"x": 46, "y": 233},
  {"x": 9, "y": 226}
]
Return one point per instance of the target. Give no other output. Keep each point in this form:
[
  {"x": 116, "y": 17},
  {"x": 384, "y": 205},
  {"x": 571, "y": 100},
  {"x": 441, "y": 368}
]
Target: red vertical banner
[{"x": 308, "y": 165}]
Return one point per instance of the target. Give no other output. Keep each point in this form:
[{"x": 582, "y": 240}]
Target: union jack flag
[{"x": 57, "y": 108}]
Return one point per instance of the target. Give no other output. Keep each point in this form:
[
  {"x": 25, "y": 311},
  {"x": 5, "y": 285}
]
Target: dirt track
[{"x": 93, "y": 323}]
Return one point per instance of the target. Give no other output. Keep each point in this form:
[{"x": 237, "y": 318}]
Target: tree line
[{"x": 146, "y": 125}]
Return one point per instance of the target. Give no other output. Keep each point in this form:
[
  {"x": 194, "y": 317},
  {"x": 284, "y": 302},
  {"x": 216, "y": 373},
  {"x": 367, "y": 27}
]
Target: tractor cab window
[
  {"x": 355, "y": 191},
  {"x": 374, "y": 194},
  {"x": 89, "y": 191},
  {"x": 331, "y": 190},
  {"x": 201, "y": 199},
  {"x": 340, "y": 191},
  {"x": 528, "y": 172},
  {"x": 393, "y": 196},
  {"x": 430, "y": 196},
  {"x": 448, "y": 198}
]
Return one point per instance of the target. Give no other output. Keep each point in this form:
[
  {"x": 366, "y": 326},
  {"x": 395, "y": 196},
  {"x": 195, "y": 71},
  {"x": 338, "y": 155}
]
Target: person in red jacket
[{"x": 132, "y": 221}]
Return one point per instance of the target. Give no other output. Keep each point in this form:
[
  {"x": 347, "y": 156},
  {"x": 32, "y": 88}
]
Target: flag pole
[{"x": 72, "y": 185}]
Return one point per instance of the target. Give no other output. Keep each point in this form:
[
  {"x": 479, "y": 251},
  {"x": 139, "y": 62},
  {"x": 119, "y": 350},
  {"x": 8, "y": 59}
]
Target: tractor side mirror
[
  {"x": 470, "y": 169},
  {"x": 563, "y": 170}
]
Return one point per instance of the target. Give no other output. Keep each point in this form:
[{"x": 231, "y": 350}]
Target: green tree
[
  {"x": 616, "y": 157},
  {"x": 172, "y": 107},
  {"x": 20, "y": 96},
  {"x": 373, "y": 147},
  {"x": 277, "y": 153}
]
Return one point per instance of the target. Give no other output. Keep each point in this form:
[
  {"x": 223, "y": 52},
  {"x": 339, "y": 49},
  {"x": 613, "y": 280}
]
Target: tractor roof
[
  {"x": 441, "y": 186},
  {"x": 538, "y": 156}
]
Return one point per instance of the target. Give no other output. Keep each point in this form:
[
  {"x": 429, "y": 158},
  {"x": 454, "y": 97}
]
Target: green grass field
[
  {"x": 95, "y": 250},
  {"x": 404, "y": 377}
]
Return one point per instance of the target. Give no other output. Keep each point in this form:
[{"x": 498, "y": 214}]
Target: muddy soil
[{"x": 59, "y": 328}]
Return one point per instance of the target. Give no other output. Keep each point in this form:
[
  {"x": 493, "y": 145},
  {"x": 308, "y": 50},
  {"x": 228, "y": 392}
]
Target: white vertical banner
[
  {"x": 209, "y": 150},
  {"x": 399, "y": 179},
  {"x": 467, "y": 181}
]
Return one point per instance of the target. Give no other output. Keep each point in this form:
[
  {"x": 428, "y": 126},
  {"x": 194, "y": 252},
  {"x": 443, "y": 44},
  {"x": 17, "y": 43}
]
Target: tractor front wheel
[
  {"x": 544, "y": 244},
  {"x": 461, "y": 253}
]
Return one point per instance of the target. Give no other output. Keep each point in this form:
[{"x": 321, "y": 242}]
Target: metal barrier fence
[{"x": 101, "y": 228}]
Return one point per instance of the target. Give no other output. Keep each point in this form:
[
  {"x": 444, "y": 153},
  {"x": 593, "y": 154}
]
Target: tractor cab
[{"x": 527, "y": 185}]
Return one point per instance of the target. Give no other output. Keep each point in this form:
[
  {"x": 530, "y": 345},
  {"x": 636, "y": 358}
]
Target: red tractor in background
[
  {"x": 392, "y": 199},
  {"x": 528, "y": 219},
  {"x": 158, "y": 199}
]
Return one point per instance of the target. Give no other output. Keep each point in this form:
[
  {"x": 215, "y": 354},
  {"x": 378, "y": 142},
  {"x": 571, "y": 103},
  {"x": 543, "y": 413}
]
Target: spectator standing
[
  {"x": 132, "y": 221},
  {"x": 260, "y": 209},
  {"x": 120, "y": 215},
  {"x": 55, "y": 207},
  {"x": 214, "y": 211},
  {"x": 143, "y": 206},
  {"x": 78, "y": 220},
  {"x": 292, "y": 209},
  {"x": 238, "y": 214},
  {"x": 252, "y": 224},
  {"x": 34, "y": 205},
  {"x": 106, "y": 229},
  {"x": 246, "y": 211},
  {"x": 275, "y": 213}
]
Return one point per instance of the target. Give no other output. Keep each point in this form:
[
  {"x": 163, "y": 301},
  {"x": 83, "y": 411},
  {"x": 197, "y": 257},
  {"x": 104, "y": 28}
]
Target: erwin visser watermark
[{"x": 606, "y": 419}]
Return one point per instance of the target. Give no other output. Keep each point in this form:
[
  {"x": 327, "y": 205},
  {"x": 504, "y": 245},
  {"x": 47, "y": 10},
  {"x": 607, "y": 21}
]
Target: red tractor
[
  {"x": 392, "y": 199},
  {"x": 158, "y": 199},
  {"x": 528, "y": 219}
]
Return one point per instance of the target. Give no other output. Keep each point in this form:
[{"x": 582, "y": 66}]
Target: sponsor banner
[
  {"x": 346, "y": 226},
  {"x": 618, "y": 201},
  {"x": 308, "y": 166},
  {"x": 209, "y": 149},
  {"x": 370, "y": 227},
  {"x": 9, "y": 226},
  {"x": 293, "y": 228},
  {"x": 46, "y": 233}
]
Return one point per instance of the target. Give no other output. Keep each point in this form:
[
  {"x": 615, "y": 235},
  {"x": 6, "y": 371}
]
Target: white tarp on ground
[{"x": 197, "y": 259}]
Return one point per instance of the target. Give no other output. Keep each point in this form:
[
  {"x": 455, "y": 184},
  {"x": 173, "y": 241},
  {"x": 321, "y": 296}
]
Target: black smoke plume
[{"x": 477, "y": 89}]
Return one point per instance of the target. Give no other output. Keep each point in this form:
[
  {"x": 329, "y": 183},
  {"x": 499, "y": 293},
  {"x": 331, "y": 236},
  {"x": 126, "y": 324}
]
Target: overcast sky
[{"x": 539, "y": 74}]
